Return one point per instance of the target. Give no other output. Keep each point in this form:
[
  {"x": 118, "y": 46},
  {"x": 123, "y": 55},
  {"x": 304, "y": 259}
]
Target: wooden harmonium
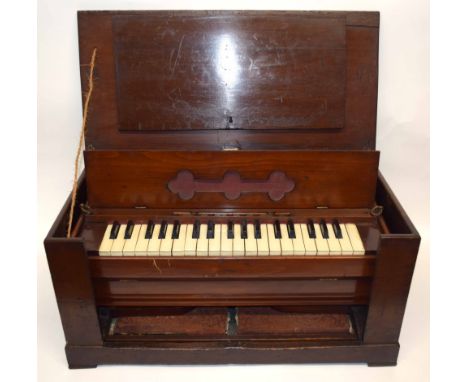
[{"x": 231, "y": 199}]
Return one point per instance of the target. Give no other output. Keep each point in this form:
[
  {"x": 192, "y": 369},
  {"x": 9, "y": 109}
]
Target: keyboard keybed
[{"x": 248, "y": 238}]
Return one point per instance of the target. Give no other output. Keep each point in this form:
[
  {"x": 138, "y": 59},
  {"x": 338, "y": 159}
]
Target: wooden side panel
[
  {"x": 394, "y": 268},
  {"x": 128, "y": 179},
  {"x": 390, "y": 287},
  {"x": 71, "y": 278},
  {"x": 68, "y": 264}
]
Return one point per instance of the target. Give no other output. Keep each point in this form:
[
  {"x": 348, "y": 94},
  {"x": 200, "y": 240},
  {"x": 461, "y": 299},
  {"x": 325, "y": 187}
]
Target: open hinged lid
[{"x": 211, "y": 80}]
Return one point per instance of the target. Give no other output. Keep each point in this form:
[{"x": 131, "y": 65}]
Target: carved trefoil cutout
[{"x": 277, "y": 185}]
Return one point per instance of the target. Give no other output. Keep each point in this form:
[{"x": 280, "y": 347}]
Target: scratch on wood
[
  {"x": 178, "y": 54},
  {"x": 156, "y": 266}
]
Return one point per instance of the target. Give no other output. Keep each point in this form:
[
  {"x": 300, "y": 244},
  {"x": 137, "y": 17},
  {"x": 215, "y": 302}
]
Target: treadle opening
[{"x": 243, "y": 323}]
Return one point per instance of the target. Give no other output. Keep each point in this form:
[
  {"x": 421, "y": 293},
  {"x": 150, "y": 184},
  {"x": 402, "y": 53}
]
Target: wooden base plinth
[{"x": 216, "y": 353}]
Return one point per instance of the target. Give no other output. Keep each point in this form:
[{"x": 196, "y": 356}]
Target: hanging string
[{"x": 82, "y": 137}]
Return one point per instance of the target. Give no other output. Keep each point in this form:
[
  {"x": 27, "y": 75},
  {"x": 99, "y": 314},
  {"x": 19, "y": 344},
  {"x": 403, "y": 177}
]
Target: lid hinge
[{"x": 86, "y": 209}]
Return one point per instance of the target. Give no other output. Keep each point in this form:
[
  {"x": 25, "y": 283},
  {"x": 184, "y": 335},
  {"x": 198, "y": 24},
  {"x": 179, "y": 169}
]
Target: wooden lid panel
[
  {"x": 182, "y": 80},
  {"x": 224, "y": 72}
]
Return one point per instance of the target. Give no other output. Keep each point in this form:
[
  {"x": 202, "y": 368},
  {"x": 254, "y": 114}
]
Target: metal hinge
[
  {"x": 377, "y": 210},
  {"x": 86, "y": 209}
]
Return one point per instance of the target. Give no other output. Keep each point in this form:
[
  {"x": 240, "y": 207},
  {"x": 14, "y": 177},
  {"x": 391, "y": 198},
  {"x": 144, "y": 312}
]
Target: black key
[
  {"x": 311, "y": 229},
  {"x": 291, "y": 230},
  {"x": 196, "y": 230},
  {"x": 337, "y": 229},
  {"x": 163, "y": 230},
  {"x": 210, "y": 231},
  {"x": 175, "y": 230},
  {"x": 149, "y": 230},
  {"x": 277, "y": 229},
  {"x": 258, "y": 232},
  {"x": 324, "y": 229},
  {"x": 230, "y": 231},
  {"x": 244, "y": 229},
  {"x": 129, "y": 230},
  {"x": 115, "y": 230}
]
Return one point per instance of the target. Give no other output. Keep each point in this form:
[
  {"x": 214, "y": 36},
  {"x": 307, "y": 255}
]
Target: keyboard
[{"x": 280, "y": 238}]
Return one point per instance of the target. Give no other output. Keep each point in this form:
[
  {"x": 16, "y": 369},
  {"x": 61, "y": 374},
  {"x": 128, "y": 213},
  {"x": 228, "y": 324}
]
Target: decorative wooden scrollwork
[{"x": 232, "y": 185}]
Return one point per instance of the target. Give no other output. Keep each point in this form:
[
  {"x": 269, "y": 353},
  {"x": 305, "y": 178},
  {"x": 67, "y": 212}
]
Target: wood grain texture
[
  {"x": 231, "y": 78},
  {"x": 126, "y": 179},
  {"x": 294, "y": 92},
  {"x": 260, "y": 352},
  {"x": 237, "y": 292},
  {"x": 69, "y": 269},
  {"x": 219, "y": 72},
  {"x": 395, "y": 265},
  {"x": 230, "y": 268}
]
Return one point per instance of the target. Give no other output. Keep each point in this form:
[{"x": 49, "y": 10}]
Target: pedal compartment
[{"x": 229, "y": 324}]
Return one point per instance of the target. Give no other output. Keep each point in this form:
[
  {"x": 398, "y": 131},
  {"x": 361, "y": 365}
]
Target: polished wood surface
[
  {"x": 181, "y": 80},
  {"x": 251, "y": 92},
  {"x": 218, "y": 72},
  {"x": 131, "y": 179}
]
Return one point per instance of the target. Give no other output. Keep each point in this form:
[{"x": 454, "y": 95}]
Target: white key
[
  {"x": 286, "y": 243},
  {"x": 320, "y": 242},
  {"x": 130, "y": 244},
  {"x": 238, "y": 248},
  {"x": 190, "y": 248},
  {"x": 250, "y": 242},
  {"x": 154, "y": 244},
  {"x": 106, "y": 243},
  {"x": 355, "y": 238},
  {"x": 274, "y": 244},
  {"x": 166, "y": 243},
  {"x": 309, "y": 243},
  {"x": 119, "y": 241},
  {"x": 178, "y": 245},
  {"x": 345, "y": 243},
  {"x": 333, "y": 242},
  {"x": 141, "y": 248},
  {"x": 298, "y": 242},
  {"x": 262, "y": 243},
  {"x": 226, "y": 243},
  {"x": 214, "y": 245},
  {"x": 202, "y": 243}
]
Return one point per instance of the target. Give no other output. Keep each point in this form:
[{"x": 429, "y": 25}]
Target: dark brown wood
[
  {"x": 207, "y": 292},
  {"x": 214, "y": 93},
  {"x": 262, "y": 352},
  {"x": 71, "y": 278},
  {"x": 219, "y": 72},
  {"x": 231, "y": 78},
  {"x": 131, "y": 179},
  {"x": 394, "y": 270},
  {"x": 228, "y": 268}
]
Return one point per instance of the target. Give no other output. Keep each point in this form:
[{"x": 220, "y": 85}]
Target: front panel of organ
[{"x": 231, "y": 209}]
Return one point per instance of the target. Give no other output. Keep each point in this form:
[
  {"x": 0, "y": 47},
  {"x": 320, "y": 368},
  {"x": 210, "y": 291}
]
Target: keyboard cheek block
[{"x": 232, "y": 210}]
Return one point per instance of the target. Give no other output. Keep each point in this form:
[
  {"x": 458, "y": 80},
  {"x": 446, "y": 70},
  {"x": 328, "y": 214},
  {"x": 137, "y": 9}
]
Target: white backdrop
[{"x": 402, "y": 138}]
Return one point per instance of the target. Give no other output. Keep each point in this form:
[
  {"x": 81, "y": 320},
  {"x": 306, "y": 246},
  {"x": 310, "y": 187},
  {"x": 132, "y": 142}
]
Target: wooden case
[{"x": 216, "y": 114}]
